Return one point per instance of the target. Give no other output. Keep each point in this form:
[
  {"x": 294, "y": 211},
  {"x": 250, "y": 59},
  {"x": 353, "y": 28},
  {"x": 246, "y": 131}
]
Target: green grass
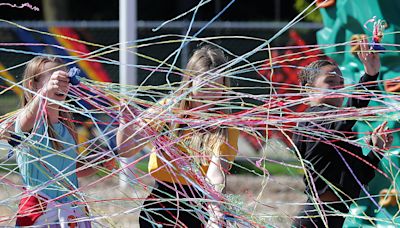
[
  {"x": 6, "y": 168},
  {"x": 8, "y": 103},
  {"x": 247, "y": 167}
]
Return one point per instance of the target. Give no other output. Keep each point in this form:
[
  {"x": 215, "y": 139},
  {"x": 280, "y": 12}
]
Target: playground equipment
[{"x": 343, "y": 21}]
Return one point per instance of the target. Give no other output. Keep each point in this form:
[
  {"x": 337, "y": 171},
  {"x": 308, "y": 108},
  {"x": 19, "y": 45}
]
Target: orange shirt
[{"x": 172, "y": 172}]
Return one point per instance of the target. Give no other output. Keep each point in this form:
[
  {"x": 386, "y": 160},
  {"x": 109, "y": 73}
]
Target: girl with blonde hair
[
  {"x": 186, "y": 155},
  {"x": 47, "y": 156}
]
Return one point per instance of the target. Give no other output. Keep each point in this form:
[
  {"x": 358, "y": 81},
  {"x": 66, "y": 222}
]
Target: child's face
[
  {"x": 211, "y": 91},
  {"x": 43, "y": 79},
  {"x": 330, "y": 79}
]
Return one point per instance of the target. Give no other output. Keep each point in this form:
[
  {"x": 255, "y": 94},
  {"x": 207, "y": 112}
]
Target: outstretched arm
[
  {"x": 133, "y": 132},
  {"x": 130, "y": 140},
  {"x": 369, "y": 58},
  {"x": 372, "y": 65}
]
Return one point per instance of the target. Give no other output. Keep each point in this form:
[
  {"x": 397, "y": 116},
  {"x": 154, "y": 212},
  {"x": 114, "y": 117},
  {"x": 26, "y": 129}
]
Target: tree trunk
[{"x": 55, "y": 10}]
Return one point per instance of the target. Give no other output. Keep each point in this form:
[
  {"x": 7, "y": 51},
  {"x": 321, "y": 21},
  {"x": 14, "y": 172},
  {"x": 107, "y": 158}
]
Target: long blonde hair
[
  {"x": 203, "y": 144},
  {"x": 34, "y": 69}
]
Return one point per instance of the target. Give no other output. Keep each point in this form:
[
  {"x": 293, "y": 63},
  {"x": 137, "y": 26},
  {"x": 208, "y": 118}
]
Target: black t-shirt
[{"x": 326, "y": 148}]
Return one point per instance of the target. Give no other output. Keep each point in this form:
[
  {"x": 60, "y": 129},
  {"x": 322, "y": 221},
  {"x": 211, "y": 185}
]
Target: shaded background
[{"x": 149, "y": 12}]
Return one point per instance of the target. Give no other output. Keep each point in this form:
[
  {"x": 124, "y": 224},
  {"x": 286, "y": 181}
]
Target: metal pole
[
  {"x": 127, "y": 34},
  {"x": 127, "y": 69}
]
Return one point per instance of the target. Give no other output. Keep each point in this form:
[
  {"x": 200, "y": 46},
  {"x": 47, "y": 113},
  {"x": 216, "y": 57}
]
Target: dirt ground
[{"x": 113, "y": 206}]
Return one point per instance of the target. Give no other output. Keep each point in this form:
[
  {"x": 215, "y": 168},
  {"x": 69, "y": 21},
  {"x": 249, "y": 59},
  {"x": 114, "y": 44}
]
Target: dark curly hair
[{"x": 310, "y": 72}]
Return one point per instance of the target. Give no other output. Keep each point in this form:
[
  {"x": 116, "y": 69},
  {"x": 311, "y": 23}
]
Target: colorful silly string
[
  {"x": 24, "y": 5},
  {"x": 250, "y": 118},
  {"x": 246, "y": 118}
]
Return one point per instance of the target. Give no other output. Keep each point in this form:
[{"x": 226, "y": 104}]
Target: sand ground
[{"x": 114, "y": 206}]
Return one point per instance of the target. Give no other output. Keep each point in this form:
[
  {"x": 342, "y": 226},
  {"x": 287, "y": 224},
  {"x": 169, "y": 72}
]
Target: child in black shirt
[{"x": 335, "y": 167}]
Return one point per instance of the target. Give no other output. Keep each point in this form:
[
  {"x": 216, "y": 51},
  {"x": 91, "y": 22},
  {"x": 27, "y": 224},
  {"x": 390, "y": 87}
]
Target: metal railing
[{"x": 234, "y": 25}]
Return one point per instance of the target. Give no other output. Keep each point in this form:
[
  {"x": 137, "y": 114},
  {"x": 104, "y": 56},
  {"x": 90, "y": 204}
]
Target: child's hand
[
  {"x": 128, "y": 116},
  {"x": 381, "y": 139},
  {"x": 370, "y": 59},
  {"x": 128, "y": 136},
  {"x": 57, "y": 87}
]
